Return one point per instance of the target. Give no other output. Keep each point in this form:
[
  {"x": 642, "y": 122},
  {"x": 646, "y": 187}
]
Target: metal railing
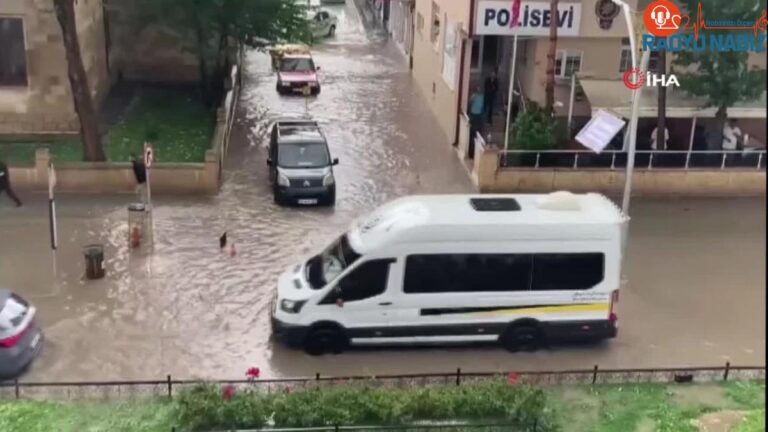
[
  {"x": 499, "y": 427},
  {"x": 105, "y": 390},
  {"x": 644, "y": 159}
]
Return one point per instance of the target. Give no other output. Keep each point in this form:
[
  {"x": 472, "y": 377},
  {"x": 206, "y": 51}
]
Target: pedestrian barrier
[{"x": 106, "y": 390}]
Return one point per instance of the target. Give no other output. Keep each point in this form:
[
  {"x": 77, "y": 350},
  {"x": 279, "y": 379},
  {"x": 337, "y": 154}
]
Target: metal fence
[
  {"x": 122, "y": 390},
  {"x": 498, "y": 427},
  {"x": 644, "y": 159}
]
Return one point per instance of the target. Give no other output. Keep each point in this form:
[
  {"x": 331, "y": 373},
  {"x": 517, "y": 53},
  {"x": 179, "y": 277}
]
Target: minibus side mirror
[
  {"x": 335, "y": 161},
  {"x": 269, "y": 162}
]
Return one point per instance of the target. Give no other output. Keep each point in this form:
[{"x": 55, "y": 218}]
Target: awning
[{"x": 613, "y": 95}]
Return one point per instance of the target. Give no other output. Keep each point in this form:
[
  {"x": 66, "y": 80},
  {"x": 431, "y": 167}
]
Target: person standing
[
  {"x": 5, "y": 184},
  {"x": 654, "y": 134},
  {"x": 731, "y": 135},
  {"x": 491, "y": 90},
  {"x": 140, "y": 172},
  {"x": 476, "y": 111}
]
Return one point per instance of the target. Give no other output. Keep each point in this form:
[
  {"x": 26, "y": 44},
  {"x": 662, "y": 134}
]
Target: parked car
[
  {"x": 296, "y": 73},
  {"x": 324, "y": 24},
  {"x": 300, "y": 165},
  {"x": 20, "y": 338}
]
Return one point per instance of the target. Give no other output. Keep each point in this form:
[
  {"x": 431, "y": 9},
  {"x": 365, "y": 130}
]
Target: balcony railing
[{"x": 644, "y": 159}]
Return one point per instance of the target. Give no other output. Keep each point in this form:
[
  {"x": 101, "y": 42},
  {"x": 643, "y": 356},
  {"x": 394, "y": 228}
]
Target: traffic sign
[{"x": 149, "y": 155}]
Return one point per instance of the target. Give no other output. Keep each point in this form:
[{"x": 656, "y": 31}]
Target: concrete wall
[
  {"x": 428, "y": 61},
  {"x": 45, "y": 104},
  {"x": 488, "y": 177}
]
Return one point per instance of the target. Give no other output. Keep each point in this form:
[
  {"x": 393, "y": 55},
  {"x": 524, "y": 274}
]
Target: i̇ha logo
[
  {"x": 635, "y": 78},
  {"x": 662, "y": 18}
]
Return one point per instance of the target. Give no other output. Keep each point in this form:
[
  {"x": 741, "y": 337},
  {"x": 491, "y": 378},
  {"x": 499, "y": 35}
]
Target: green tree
[
  {"x": 78, "y": 82},
  {"x": 535, "y": 129},
  {"x": 215, "y": 27},
  {"x": 721, "y": 77}
]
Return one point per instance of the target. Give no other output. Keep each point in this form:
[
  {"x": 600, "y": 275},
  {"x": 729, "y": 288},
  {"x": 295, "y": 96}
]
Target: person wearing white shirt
[
  {"x": 731, "y": 135},
  {"x": 654, "y": 134}
]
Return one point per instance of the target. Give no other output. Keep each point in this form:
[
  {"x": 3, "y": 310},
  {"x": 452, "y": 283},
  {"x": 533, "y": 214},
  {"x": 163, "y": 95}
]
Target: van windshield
[
  {"x": 327, "y": 266},
  {"x": 303, "y": 155}
]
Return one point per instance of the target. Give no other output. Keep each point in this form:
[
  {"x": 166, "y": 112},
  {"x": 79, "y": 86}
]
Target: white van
[{"x": 516, "y": 269}]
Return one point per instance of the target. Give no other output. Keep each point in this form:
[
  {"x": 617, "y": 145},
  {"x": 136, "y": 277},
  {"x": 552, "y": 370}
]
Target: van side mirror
[
  {"x": 269, "y": 162},
  {"x": 335, "y": 161}
]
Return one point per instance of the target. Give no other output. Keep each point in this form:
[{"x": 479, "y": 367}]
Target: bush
[
  {"x": 204, "y": 407},
  {"x": 535, "y": 130}
]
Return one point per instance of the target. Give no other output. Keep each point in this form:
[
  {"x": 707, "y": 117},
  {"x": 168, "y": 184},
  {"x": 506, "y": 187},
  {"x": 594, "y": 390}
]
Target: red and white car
[{"x": 297, "y": 72}]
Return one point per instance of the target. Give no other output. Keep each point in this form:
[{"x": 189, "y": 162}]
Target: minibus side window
[
  {"x": 368, "y": 280},
  {"x": 569, "y": 271},
  {"x": 455, "y": 273}
]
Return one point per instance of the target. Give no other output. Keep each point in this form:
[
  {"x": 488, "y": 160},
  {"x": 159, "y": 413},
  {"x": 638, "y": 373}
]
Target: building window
[
  {"x": 13, "y": 62},
  {"x": 625, "y": 62},
  {"x": 434, "y": 32},
  {"x": 420, "y": 24},
  {"x": 567, "y": 63}
]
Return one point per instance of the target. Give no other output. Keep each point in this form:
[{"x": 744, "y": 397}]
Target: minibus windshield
[{"x": 324, "y": 268}]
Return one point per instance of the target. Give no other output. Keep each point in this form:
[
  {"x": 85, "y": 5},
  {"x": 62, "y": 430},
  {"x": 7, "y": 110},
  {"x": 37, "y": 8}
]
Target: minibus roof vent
[
  {"x": 560, "y": 201},
  {"x": 494, "y": 204}
]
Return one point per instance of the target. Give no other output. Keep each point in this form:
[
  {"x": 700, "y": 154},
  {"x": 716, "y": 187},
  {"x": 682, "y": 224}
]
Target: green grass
[
  {"x": 754, "y": 422},
  {"x": 32, "y": 416},
  {"x": 177, "y": 123},
  {"x": 653, "y": 407}
]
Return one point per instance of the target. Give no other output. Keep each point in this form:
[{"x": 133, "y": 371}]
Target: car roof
[
  {"x": 466, "y": 218},
  {"x": 297, "y": 131}
]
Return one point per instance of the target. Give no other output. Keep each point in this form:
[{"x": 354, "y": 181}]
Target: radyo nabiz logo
[
  {"x": 672, "y": 31},
  {"x": 635, "y": 78}
]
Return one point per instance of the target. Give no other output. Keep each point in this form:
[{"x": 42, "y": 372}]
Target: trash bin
[
  {"x": 94, "y": 261},
  {"x": 137, "y": 214}
]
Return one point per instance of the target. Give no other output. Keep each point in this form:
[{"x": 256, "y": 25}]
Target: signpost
[
  {"x": 149, "y": 157},
  {"x": 307, "y": 92},
  {"x": 52, "y": 206}
]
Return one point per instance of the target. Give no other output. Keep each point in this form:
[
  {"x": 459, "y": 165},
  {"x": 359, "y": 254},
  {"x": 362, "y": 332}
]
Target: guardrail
[
  {"x": 644, "y": 159},
  {"x": 105, "y": 390}
]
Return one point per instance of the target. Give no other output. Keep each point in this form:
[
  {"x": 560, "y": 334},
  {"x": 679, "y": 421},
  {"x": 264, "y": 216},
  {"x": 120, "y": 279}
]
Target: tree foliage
[
  {"x": 721, "y": 77},
  {"x": 535, "y": 129},
  {"x": 214, "y": 27}
]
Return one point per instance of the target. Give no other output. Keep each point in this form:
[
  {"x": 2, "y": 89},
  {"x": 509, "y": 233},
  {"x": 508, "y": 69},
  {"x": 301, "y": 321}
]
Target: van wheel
[
  {"x": 324, "y": 341},
  {"x": 527, "y": 338}
]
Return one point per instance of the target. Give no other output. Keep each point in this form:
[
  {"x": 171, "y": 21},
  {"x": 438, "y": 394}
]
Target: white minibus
[{"x": 515, "y": 269}]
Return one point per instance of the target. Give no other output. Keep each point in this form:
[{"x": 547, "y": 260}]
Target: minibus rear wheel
[
  {"x": 522, "y": 337},
  {"x": 325, "y": 340}
]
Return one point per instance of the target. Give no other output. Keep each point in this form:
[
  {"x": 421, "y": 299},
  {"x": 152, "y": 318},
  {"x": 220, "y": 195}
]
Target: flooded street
[{"x": 696, "y": 293}]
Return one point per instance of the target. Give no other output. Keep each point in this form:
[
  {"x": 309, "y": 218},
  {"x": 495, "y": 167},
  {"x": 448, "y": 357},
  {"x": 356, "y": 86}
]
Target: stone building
[
  {"x": 116, "y": 43},
  {"x": 35, "y": 96}
]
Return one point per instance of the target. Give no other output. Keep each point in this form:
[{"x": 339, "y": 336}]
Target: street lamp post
[{"x": 635, "y": 105}]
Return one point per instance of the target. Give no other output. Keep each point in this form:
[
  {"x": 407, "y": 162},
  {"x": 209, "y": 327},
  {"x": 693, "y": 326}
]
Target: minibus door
[{"x": 361, "y": 301}]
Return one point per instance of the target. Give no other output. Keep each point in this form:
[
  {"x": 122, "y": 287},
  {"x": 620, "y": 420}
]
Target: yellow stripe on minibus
[{"x": 594, "y": 307}]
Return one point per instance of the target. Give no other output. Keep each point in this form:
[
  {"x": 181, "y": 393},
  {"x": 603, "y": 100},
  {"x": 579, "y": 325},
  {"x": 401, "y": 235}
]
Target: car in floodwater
[
  {"x": 297, "y": 73},
  {"x": 323, "y": 24},
  {"x": 519, "y": 270},
  {"x": 300, "y": 164},
  {"x": 20, "y": 337}
]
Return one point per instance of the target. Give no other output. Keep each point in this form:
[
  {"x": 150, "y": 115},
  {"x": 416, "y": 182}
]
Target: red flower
[
  {"x": 228, "y": 392},
  {"x": 253, "y": 373},
  {"x": 512, "y": 378}
]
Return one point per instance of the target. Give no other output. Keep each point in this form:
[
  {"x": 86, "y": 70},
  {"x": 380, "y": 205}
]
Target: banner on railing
[{"x": 600, "y": 130}]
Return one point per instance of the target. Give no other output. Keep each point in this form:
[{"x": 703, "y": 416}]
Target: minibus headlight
[
  {"x": 292, "y": 306},
  {"x": 282, "y": 180},
  {"x": 328, "y": 179}
]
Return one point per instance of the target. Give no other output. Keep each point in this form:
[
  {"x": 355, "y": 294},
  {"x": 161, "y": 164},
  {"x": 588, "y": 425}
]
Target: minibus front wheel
[
  {"x": 522, "y": 337},
  {"x": 325, "y": 340}
]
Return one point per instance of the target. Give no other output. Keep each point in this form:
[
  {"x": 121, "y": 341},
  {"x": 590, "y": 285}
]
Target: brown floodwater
[{"x": 696, "y": 268}]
